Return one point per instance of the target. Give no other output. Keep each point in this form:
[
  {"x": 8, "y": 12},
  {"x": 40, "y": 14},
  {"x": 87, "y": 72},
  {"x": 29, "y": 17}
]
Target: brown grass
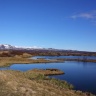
[
  {"x": 7, "y": 61},
  {"x": 46, "y": 72},
  {"x": 16, "y": 83}
]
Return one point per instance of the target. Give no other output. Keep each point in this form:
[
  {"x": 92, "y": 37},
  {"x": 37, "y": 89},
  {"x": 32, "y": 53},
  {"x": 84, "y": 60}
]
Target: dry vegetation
[
  {"x": 46, "y": 72},
  {"x": 16, "y": 83},
  {"x": 7, "y": 61},
  {"x": 46, "y": 53}
]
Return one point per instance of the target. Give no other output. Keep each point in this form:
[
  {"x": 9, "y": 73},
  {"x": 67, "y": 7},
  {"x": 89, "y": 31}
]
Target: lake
[
  {"x": 66, "y": 57},
  {"x": 81, "y": 74}
]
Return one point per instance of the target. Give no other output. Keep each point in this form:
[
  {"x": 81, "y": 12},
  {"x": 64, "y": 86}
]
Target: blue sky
[{"x": 63, "y": 24}]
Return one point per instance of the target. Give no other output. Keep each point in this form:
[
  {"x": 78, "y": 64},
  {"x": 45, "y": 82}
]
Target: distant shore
[{"x": 80, "y": 60}]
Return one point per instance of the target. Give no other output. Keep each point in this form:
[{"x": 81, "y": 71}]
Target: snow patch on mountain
[{"x": 7, "y": 46}]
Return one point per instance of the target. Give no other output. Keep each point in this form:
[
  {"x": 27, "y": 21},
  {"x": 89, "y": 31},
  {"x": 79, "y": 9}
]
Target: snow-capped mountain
[
  {"x": 10, "y": 47},
  {"x": 6, "y": 46}
]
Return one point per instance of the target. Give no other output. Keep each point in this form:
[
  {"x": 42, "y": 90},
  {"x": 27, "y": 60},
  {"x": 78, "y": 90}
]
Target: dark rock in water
[{"x": 53, "y": 69}]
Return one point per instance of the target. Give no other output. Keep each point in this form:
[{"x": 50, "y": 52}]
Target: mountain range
[{"x": 10, "y": 47}]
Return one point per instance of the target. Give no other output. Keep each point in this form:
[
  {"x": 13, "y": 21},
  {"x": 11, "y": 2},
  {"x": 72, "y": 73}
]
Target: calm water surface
[
  {"x": 71, "y": 57},
  {"x": 81, "y": 74}
]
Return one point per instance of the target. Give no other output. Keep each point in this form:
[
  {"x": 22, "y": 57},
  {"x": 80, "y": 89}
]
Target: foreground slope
[{"x": 16, "y": 83}]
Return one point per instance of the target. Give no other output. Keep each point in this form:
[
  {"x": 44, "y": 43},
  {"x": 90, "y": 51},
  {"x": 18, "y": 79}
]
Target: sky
[{"x": 61, "y": 24}]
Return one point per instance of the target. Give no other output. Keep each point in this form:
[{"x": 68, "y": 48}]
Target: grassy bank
[
  {"x": 16, "y": 83},
  {"x": 7, "y": 61}
]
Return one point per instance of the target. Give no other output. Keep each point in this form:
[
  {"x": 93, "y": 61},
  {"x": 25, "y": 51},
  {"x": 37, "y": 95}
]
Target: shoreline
[
  {"x": 7, "y": 61},
  {"x": 34, "y": 83}
]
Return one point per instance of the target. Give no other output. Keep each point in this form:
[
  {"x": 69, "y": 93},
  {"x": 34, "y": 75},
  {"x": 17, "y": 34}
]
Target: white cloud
[{"x": 86, "y": 15}]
